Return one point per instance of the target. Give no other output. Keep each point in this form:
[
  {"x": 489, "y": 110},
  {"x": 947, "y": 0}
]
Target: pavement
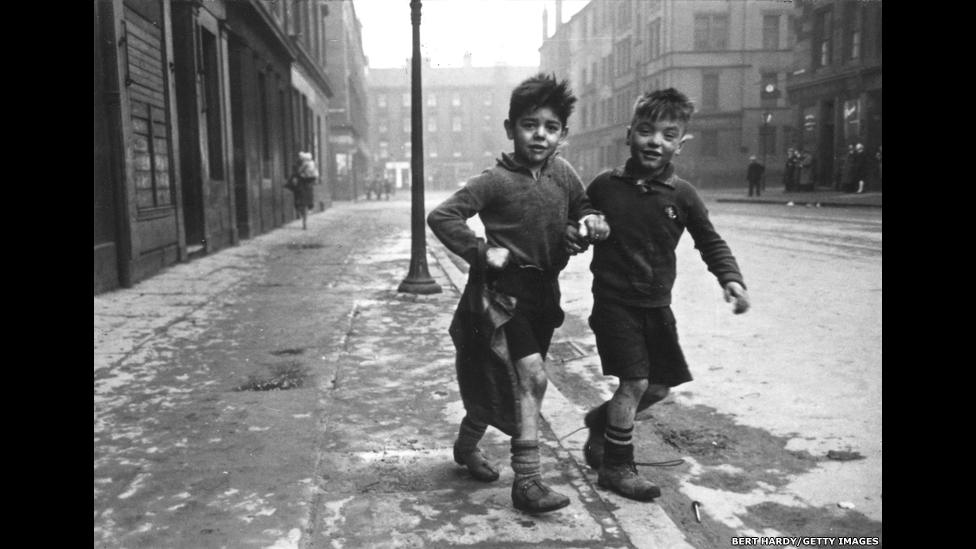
[
  {"x": 283, "y": 394},
  {"x": 816, "y": 198}
]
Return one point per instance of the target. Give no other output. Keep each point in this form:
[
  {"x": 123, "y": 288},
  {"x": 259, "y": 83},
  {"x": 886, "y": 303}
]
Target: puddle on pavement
[{"x": 283, "y": 377}]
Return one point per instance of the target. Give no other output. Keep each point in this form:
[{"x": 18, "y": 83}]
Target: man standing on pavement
[{"x": 754, "y": 175}]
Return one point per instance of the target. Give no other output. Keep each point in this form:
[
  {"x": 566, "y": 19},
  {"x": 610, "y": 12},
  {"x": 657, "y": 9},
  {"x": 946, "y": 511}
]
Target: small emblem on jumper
[{"x": 671, "y": 211}]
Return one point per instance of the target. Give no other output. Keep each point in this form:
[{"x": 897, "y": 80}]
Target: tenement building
[
  {"x": 731, "y": 58},
  {"x": 463, "y": 119}
]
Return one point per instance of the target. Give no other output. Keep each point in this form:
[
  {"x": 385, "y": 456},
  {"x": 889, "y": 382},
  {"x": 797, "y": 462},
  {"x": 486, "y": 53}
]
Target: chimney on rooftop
[
  {"x": 545, "y": 24},
  {"x": 467, "y": 59}
]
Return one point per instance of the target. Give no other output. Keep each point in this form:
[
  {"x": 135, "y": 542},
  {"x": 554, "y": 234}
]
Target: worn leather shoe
[
  {"x": 532, "y": 496},
  {"x": 593, "y": 448},
  {"x": 477, "y": 465},
  {"x": 624, "y": 480}
]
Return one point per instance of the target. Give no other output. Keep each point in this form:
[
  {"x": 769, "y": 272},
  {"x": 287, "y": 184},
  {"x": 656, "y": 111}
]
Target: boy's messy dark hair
[
  {"x": 669, "y": 103},
  {"x": 542, "y": 90}
]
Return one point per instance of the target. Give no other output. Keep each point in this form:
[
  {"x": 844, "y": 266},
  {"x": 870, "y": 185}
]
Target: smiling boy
[
  {"x": 648, "y": 208},
  {"x": 505, "y": 320}
]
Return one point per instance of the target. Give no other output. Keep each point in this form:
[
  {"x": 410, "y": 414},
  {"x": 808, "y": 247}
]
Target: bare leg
[{"x": 529, "y": 494}]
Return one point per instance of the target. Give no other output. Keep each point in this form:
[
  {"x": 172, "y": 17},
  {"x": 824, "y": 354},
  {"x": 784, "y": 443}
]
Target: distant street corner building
[
  {"x": 739, "y": 63},
  {"x": 200, "y": 109},
  {"x": 463, "y": 120}
]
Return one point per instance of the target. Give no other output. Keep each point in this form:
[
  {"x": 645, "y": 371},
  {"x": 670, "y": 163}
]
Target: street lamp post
[{"x": 418, "y": 280}]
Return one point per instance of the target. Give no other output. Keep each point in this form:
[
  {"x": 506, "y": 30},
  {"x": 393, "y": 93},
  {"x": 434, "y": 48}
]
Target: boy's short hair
[
  {"x": 668, "y": 103},
  {"x": 539, "y": 91}
]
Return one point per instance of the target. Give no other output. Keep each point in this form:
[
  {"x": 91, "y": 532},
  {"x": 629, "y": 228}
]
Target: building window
[
  {"x": 593, "y": 72},
  {"x": 822, "y": 31},
  {"x": 456, "y": 154},
  {"x": 384, "y": 127},
  {"x": 583, "y": 115},
  {"x": 431, "y": 100},
  {"x": 711, "y": 31},
  {"x": 489, "y": 99},
  {"x": 654, "y": 39},
  {"x": 406, "y": 124},
  {"x": 456, "y": 100},
  {"x": 406, "y": 100},
  {"x": 770, "y": 32},
  {"x": 709, "y": 143},
  {"x": 852, "y": 36},
  {"x": 384, "y": 149},
  {"x": 710, "y": 91},
  {"x": 623, "y": 13},
  {"x": 622, "y": 55},
  {"x": 381, "y": 100},
  {"x": 432, "y": 124},
  {"x": 456, "y": 124}
]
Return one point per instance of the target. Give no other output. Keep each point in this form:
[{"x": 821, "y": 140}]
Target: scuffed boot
[
  {"x": 532, "y": 496},
  {"x": 624, "y": 480},
  {"x": 477, "y": 465},
  {"x": 594, "y": 447}
]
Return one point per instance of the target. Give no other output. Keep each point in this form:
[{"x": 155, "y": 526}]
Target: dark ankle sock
[
  {"x": 619, "y": 448},
  {"x": 525, "y": 460},
  {"x": 469, "y": 435}
]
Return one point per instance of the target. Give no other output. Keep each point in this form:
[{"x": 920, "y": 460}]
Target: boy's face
[
  {"x": 536, "y": 134},
  {"x": 654, "y": 142}
]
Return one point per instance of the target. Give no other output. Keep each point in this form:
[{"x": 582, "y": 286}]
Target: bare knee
[{"x": 632, "y": 389}]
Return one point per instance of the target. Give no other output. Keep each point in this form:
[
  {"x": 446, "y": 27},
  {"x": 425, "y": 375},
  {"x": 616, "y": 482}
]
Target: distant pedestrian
[
  {"x": 847, "y": 164},
  {"x": 304, "y": 175},
  {"x": 648, "y": 207},
  {"x": 790, "y": 169},
  {"x": 506, "y": 317},
  {"x": 858, "y": 170},
  {"x": 387, "y": 187},
  {"x": 754, "y": 175},
  {"x": 877, "y": 157}
]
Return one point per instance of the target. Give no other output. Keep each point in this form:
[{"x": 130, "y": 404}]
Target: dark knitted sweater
[
  {"x": 636, "y": 265},
  {"x": 524, "y": 215}
]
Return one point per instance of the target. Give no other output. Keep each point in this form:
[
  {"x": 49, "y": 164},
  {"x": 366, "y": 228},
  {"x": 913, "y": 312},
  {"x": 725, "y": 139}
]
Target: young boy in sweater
[
  {"x": 648, "y": 208},
  {"x": 524, "y": 202}
]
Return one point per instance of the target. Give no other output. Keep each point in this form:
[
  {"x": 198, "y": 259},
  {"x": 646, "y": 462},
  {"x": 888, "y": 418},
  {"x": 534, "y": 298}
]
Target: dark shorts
[
  {"x": 537, "y": 312},
  {"x": 636, "y": 342}
]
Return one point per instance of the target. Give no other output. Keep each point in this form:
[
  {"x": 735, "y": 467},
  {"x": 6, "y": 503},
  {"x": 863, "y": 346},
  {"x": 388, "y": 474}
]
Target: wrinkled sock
[
  {"x": 619, "y": 448},
  {"x": 469, "y": 435},
  {"x": 525, "y": 460}
]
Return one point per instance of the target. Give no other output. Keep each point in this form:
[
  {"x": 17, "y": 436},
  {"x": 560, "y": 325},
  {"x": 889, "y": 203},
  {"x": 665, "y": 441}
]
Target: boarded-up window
[{"x": 146, "y": 81}]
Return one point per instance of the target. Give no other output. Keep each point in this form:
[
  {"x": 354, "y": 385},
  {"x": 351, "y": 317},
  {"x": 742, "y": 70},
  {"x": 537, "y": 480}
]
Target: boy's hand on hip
[
  {"x": 497, "y": 258},
  {"x": 575, "y": 243},
  {"x": 594, "y": 227},
  {"x": 735, "y": 292}
]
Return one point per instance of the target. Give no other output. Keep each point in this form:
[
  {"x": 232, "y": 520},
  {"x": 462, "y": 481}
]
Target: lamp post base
[{"x": 419, "y": 285}]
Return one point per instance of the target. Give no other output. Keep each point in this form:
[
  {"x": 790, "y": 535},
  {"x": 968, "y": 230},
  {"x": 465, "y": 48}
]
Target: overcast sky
[{"x": 508, "y": 31}]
